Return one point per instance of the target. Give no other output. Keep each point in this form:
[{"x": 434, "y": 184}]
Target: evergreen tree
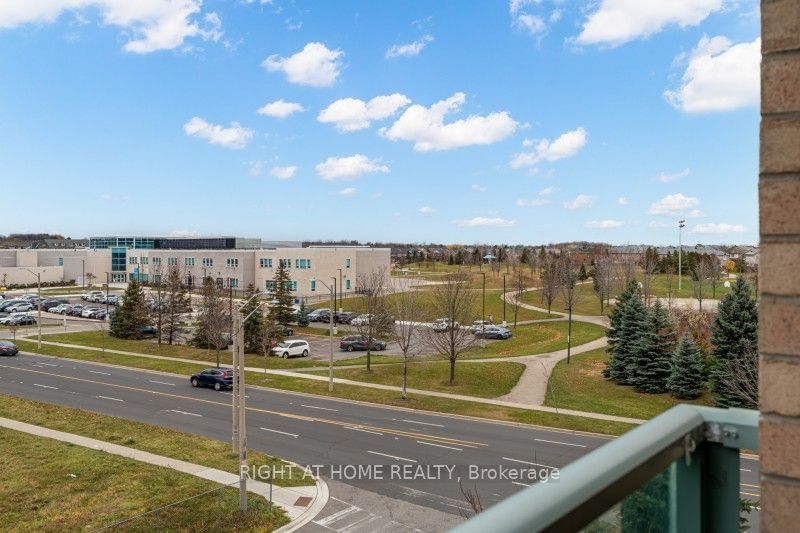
[
  {"x": 651, "y": 362},
  {"x": 253, "y": 324},
  {"x": 647, "y": 509},
  {"x": 524, "y": 258},
  {"x": 128, "y": 321},
  {"x": 281, "y": 311},
  {"x": 622, "y": 367},
  {"x": 450, "y": 260},
  {"x": 686, "y": 377},
  {"x": 582, "y": 274},
  {"x": 734, "y": 335},
  {"x": 615, "y": 317},
  {"x": 302, "y": 316}
]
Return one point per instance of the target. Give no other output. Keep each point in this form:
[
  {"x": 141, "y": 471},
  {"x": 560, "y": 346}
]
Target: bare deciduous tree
[
  {"x": 473, "y": 500},
  {"x": 742, "y": 378},
  {"x": 649, "y": 267},
  {"x": 214, "y": 319},
  {"x": 603, "y": 280},
  {"x": 567, "y": 280},
  {"x": 549, "y": 276},
  {"x": 670, "y": 275},
  {"x": 715, "y": 274},
  {"x": 519, "y": 287},
  {"x": 702, "y": 275},
  {"x": 378, "y": 322},
  {"x": 158, "y": 294},
  {"x": 406, "y": 306},
  {"x": 453, "y": 301}
]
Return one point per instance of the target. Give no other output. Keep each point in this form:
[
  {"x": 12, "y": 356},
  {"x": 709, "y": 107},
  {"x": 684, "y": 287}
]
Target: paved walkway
[{"x": 290, "y": 499}]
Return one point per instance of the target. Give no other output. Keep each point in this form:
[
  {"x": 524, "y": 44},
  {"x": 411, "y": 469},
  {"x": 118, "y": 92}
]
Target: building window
[
  {"x": 208, "y": 262},
  {"x": 265, "y": 263},
  {"x": 156, "y": 260},
  {"x": 233, "y": 282},
  {"x": 270, "y": 285},
  {"x": 156, "y": 278},
  {"x": 232, "y": 262},
  {"x": 219, "y": 283},
  {"x": 144, "y": 260},
  {"x": 61, "y": 261},
  {"x": 313, "y": 285},
  {"x": 347, "y": 263},
  {"x": 291, "y": 285},
  {"x": 286, "y": 263},
  {"x": 188, "y": 261},
  {"x": 172, "y": 261},
  {"x": 347, "y": 284},
  {"x": 302, "y": 263},
  {"x": 118, "y": 260},
  {"x": 133, "y": 260}
]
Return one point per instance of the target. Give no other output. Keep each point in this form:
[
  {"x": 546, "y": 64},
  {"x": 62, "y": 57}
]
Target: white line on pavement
[
  {"x": 161, "y": 382},
  {"x": 45, "y": 386},
  {"x": 46, "y": 364},
  {"x": 315, "y": 407},
  {"x": 184, "y": 412},
  {"x": 110, "y": 398},
  {"x": 564, "y": 443},
  {"x": 423, "y": 423},
  {"x": 392, "y": 456},
  {"x": 281, "y": 432},
  {"x": 521, "y": 484},
  {"x": 363, "y": 430},
  {"x": 440, "y": 445},
  {"x": 527, "y": 462},
  {"x": 98, "y": 372}
]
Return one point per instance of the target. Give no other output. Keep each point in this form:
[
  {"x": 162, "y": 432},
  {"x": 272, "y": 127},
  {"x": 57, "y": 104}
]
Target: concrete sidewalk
[{"x": 301, "y": 504}]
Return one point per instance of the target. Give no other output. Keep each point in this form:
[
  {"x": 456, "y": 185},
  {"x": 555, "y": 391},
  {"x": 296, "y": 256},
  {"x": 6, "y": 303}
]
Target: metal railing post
[{"x": 721, "y": 488}]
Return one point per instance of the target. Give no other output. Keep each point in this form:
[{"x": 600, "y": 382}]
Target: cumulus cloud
[
  {"x": 718, "y": 229},
  {"x": 566, "y": 145},
  {"x": 622, "y": 201},
  {"x": 604, "y": 224},
  {"x": 522, "y": 19},
  {"x": 534, "y": 202},
  {"x": 666, "y": 177},
  {"x": 675, "y": 205},
  {"x": 547, "y": 191},
  {"x": 425, "y": 126},
  {"x": 283, "y": 173},
  {"x": 409, "y": 49},
  {"x": 280, "y": 109},
  {"x": 148, "y": 26},
  {"x": 478, "y": 188},
  {"x": 347, "y": 191},
  {"x": 615, "y": 22},
  {"x": 426, "y": 210},
  {"x": 582, "y": 200},
  {"x": 315, "y": 65},
  {"x": 234, "y": 136},
  {"x": 720, "y": 76},
  {"x": 348, "y": 168},
  {"x": 352, "y": 114},
  {"x": 487, "y": 222}
]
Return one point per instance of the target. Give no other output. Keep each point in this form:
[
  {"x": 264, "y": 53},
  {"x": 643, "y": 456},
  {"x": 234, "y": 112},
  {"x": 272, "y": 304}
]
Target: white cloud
[
  {"x": 235, "y": 136},
  {"x": 720, "y": 76},
  {"x": 425, "y": 127},
  {"x": 148, "y": 25},
  {"x": 280, "y": 109},
  {"x": 314, "y": 65},
  {"x": 675, "y": 205},
  {"x": 347, "y": 191},
  {"x": 283, "y": 173},
  {"x": 409, "y": 49},
  {"x": 531, "y": 23},
  {"x": 566, "y": 145},
  {"x": 478, "y": 188},
  {"x": 718, "y": 229},
  {"x": 348, "y": 168},
  {"x": 426, "y": 210},
  {"x": 656, "y": 224},
  {"x": 487, "y": 222},
  {"x": 352, "y": 114},
  {"x": 665, "y": 177},
  {"x": 604, "y": 224},
  {"x": 547, "y": 191},
  {"x": 615, "y": 22},
  {"x": 622, "y": 201},
  {"x": 582, "y": 200},
  {"x": 535, "y": 202}
]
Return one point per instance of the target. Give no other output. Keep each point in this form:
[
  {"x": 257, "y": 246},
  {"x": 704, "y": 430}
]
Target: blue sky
[{"x": 530, "y": 121}]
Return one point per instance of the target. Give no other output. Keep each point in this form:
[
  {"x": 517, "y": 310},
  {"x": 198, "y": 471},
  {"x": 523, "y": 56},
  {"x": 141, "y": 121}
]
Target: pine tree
[
  {"x": 302, "y": 316},
  {"x": 734, "y": 334},
  {"x": 651, "y": 362},
  {"x": 524, "y": 258},
  {"x": 128, "y": 321},
  {"x": 631, "y": 327},
  {"x": 281, "y": 310},
  {"x": 252, "y": 324},
  {"x": 615, "y": 317},
  {"x": 686, "y": 378}
]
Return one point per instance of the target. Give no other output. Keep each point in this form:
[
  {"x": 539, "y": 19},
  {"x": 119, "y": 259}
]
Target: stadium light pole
[{"x": 681, "y": 225}]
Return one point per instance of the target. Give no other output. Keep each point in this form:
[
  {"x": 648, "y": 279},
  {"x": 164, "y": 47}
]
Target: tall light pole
[
  {"x": 681, "y": 224},
  {"x": 504, "y": 298},
  {"x": 341, "y": 286},
  {"x": 38, "y": 305},
  {"x": 332, "y": 290}
]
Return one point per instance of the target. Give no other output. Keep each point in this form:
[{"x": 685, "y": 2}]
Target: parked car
[
  {"x": 14, "y": 319},
  {"x": 8, "y": 303},
  {"x": 49, "y": 304},
  {"x": 219, "y": 378},
  {"x": 478, "y": 325},
  {"x": 86, "y": 296},
  {"x": 60, "y": 309},
  {"x": 323, "y": 316},
  {"x": 440, "y": 325},
  {"x": 314, "y": 316},
  {"x": 344, "y": 317},
  {"x": 495, "y": 332},
  {"x": 358, "y": 342},
  {"x": 88, "y": 311},
  {"x": 22, "y": 320},
  {"x": 18, "y": 307},
  {"x": 27, "y": 296},
  {"x": 8, "y": 348},
  {"x": 113, "y": 299},
  {"x": 291, "y": 349},
  {"x": 361, "y": 320},
  {"x": 146, "y": 331},
  {"x": 75, "y": 309},
  {"x": 97, "y": 314},
  {"x": 98, "y": 298}
]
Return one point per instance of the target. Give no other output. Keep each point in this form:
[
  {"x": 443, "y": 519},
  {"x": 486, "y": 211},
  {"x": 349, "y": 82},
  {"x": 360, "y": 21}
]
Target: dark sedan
[
  {"x": 356, "y": 342},
  {"x": 219, "y": 378},
  {"x": 344, "y": 317},
  {"x": 8, "y": 348}
]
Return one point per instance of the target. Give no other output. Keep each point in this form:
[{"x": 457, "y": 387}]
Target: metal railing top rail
[{"x": 594, "y": 483}]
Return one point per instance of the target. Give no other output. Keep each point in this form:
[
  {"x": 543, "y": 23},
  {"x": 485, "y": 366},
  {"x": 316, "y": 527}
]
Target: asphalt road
[{"x": 405, "y": 446}]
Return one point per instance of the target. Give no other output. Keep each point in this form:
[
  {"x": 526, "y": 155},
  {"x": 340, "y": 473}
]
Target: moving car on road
[
  {"x": 357, "y": 342},
  {"x": 288, "y": 349},
  {"x": 219, "y": 378},
  {"x": 8, "y": 348}
]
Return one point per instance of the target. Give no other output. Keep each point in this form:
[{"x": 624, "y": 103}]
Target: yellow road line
[
  {"x": 402, "y": 433},
  {"x": 749, "y": 494},
  {"x": 749, "y": 485}
]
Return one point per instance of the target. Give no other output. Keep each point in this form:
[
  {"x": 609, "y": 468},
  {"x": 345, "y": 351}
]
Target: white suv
[{"x": 291, "y": 348}]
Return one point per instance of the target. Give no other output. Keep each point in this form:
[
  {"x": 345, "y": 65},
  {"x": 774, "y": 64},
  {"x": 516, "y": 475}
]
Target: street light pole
[
  {"x": 38, "y": 305},
  {"x": 504, "y": 299},
  {"x": 681, "y": 224},
  {"x": 332, "y": 290},
  {"x": 340, "y": 287}
]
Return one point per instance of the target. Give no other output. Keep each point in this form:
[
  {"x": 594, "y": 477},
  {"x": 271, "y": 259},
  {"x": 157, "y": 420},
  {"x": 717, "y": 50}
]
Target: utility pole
[
  {"x": 38, "y": 306},
  {"x": 332, "y": 290},
  {"x": 504, "y": 299},
  {"x": 241, "y": 415},
  {"x": 83, "y": 273},
  {"x": 681, "y": 224},
  {"x": 108, "y": 281},
  {"x": 340, "y": 288}
]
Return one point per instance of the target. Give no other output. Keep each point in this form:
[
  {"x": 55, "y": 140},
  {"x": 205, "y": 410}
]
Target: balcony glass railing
[{"x": 679, "y": 472}]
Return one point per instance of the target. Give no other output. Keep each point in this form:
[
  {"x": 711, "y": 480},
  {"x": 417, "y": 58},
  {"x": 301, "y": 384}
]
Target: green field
[
  {"x": 586, "y": 301},
  {"x": 533, "y": 339},
  {"x": 485, "y": 380},
  {"x": 660, "y": 286},
  {"x": 580, "y": 385},
  {"x": 54, "y": 486},
  {"x": 494, "y": 278}
]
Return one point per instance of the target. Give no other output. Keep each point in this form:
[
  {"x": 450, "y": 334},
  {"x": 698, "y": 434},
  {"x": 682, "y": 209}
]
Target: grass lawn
[
  {"x": 145, "y": 437},
  {"x": 485, "y": 380},
  {"x": 531, "y": 339},
  {"x": 660, "y": 286},
  {"x": 581, "y": 385},
  {"x": 586, "y": 301},
  {"x": 55, "y": 486},
  {"x": 494, "y": 279},
  {"x": 299, "y": 384}
]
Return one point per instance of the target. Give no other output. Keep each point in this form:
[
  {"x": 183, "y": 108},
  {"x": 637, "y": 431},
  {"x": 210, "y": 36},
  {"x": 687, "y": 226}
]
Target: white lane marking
[
  {"x": 281, "y": 432},
  {"x": 745, "y": 469},
  {"x": 45, "y": 386},
  {"x": 184, "y": 412},
  {"x": 392, "y": 456},
  {"x": 315, "y": 407},
  {"x": 337, "y": 515},
  {"x": 46, "y": 364},
  {"x": 161, "y": 382},
  {"x": 363, "y": 430},
  {"x": 98, "y": 372},
  {"x": 110, "y": 398},
  {"x": 423, "y": 423},
  {"x": 527, "y": 462},
  {"x": 520, "y": 484},
  {"x": 440, "y": 445},
  {"x": 564, "y": 443}
]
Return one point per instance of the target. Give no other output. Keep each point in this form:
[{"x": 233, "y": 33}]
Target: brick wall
[{"x": 779, "y": 328}]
